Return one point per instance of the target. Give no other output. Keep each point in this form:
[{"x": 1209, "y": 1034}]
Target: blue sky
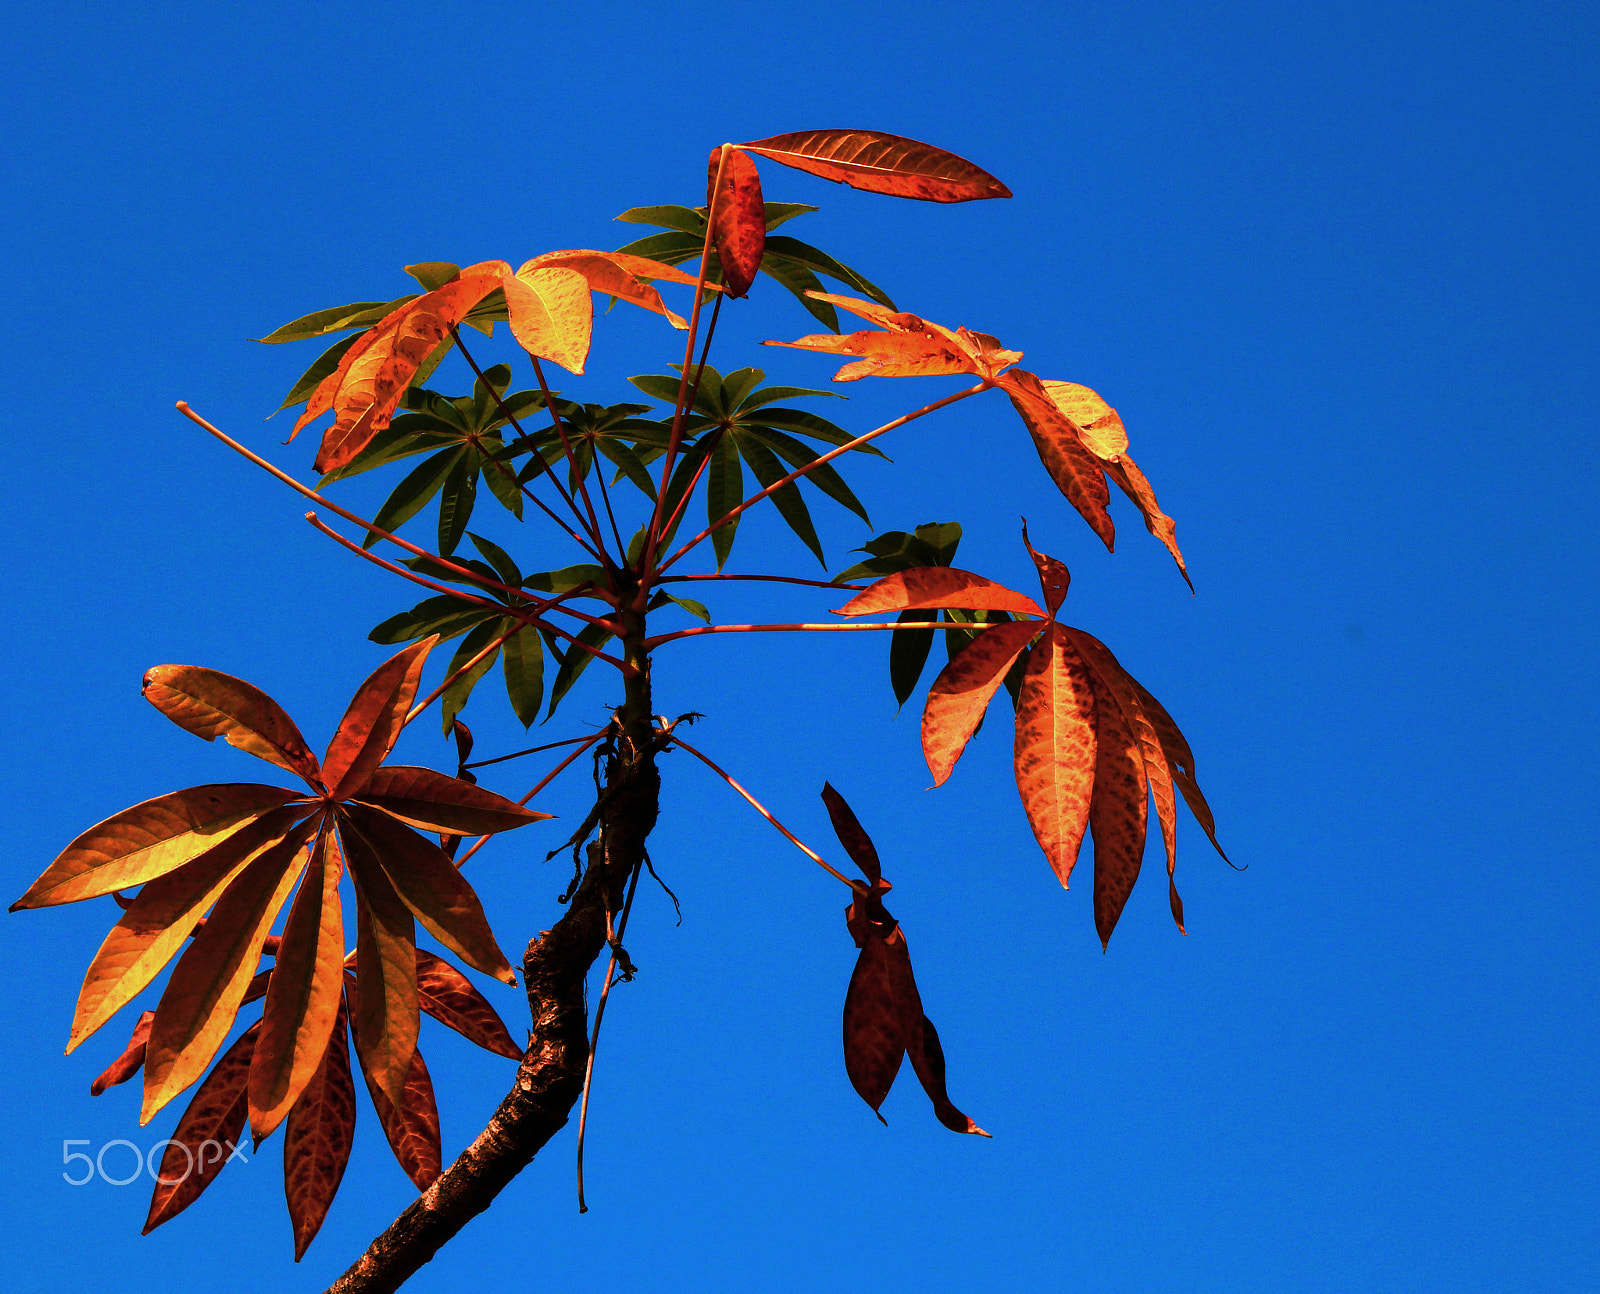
[{"x": 1333, "y": 265}]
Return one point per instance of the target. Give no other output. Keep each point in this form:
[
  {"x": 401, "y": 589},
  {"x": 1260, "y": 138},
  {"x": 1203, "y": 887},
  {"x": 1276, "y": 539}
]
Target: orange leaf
[
  {"x": 1055, "y": 749},
  {"x": 304, "y": 993},
  {"x": 370, "y": 726},
  {"x": 1158, "y": 772},
  {"x": 211, "y": 704},
  {"x": 448, "y": 996},
  {"x": 1054, "y": 578},
  {"x": 933, "y": 587},
  {"x": 429, "y": 884},
  {"x": 880, "y": 163},
  {"x": 617, "y": 274},
  {"x": 150, "y": 840},
  {"x": 987, "y": 355},
  {"x": 1125, "y": 472},
  {"x": 960, "y": 695},
  {"x": 205, "y": 1137},
  {"x": 1098, "y": 425},
  {"x": 412, "y": 1123},
  {"x": 738, "y": 218},
  {"x": 385, "y": 1000},
  {"x": 162, "y": 917},
  {"x": 317, "y": 1141},
  {"x": 375, "y": 372},
  {"x": 1078, "y": 474},
  {"x": 888, "y": 354},
  {"x": 433, "y": 801},
  {"x": 1181, "y": 760},
  {"x": 550, "y": 314},
  {"x": 203, "y": 995},
  {"x": 130, "y": 1062}
]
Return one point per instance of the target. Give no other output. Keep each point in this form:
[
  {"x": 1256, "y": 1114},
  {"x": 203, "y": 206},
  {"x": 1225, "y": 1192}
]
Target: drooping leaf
[
  {"x": 1118, "y": 811},
  {"x": 938, "y": 586},
  {"x": 1181, "y": 761},
  {"x": 960, "y": 695},
  {"x": 130, "y": 1062},
  {"x": 874, "y": 1034},
  {"x": 150, "y": 840},
  {"x": 1125, "y": 472},
  {"x": 429, "y": 884},
  {"x": 449, "y": 997},
  {"x": 205, "y": 1138},
  {"x": 887, "y": 354},
  {"x": 926, "y": 1054},
  {"x": 851, "y": 835},
  {"x": 162, "y": 916},
  {"x": 304, "y": 995},
  {"x": 481, "y": 643},
  {"x": 1098, "y": 425},
  {"x": 1055, "y": 749},
  {"x": 1078, "y": 474},
  {"x": 574, "y": 660},
  {"x": 313, "y": 377},
  {"x": 550, "y": 314},
  {"x": 317, "y": 1141},
  {"x": 197, "y": 1008},
  {"x": 212, "y": 704},
  {"x": 384, "y": 1000},
  {"x": 371, "y": 725},
  {"x": 738, "y": 220},
  {"x": 411, "y": 1123},
  {"x": 424, "y": 798},
  {"x": 876, "y": 162}
]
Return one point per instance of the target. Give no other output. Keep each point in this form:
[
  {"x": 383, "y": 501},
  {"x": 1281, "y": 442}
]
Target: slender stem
[
  {"x": 599, "y": 1015},
  {"x": 651, "y": 644},
  {"x": 775, "y": 579},
  {"x": 818, "y": 462},
  {"x": 572, "y": 462},
  {"x": 595, "y": 549},
  {"x": 450, "y": 678},
  {"x": 547, "y": 779},
  {"x": 756, "y": 804},
  {"x": 395, "y": 568},
  {"x": 532, "y": 750},
  {"x": 688, "y": 490}
]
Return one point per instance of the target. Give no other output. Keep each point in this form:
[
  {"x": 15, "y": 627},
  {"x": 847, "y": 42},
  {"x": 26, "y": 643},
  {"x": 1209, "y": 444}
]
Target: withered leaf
[
  {"x": 130, "y": 1062},
  {"x": 938, "y": 586},
  {"x": 1078, "y": 474},
  {"x": 550, "y": 314},
  {"x": 855, "y": 840},
  {"x": 205, "y": 1137},
  {"x": 617, "y": 274},
  {"x": 1119, "y": 808},
  {"x": 876, "y": 162},
  {"x": 317, "y": 1140}
]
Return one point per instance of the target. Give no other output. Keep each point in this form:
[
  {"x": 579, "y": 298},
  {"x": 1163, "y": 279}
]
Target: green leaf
[
  {"x": 724, "y": 493},
  {"x": 434, "y": 359},
  {"x": 523, "y": 662},
  {"x": 768, "y": 394},
  {"x": 433, "y": 274},
  {"x": 312, "y": 377},
  {"x": 764, "y": 466},
  {"x": 694, "y": 608},
  {"x": 438, "y": 571},
  {"x": 455, "y": 502},
  {"x": 359, "y": 314},
  {"x": 455, "y": 696},
  {"x": 442, "y": 615},
  {"x": 568, "y": 577},
  {"x": 908, "y": 654},
  {"x": 495, "y": 381},
  {"x": 685, "y": 219},
  {"x": 778, "y": 212},
  {"x": 628, "y": 464},
  {"x": 821, "y": 263},
  {"x": 398, "y": 440},
  {"x": 420, "y": 485},
  {"x": 499, "y": 477},
  {"x": 808, "y": 424},
  {"x": 498, "y": 558},
  {"x": 658, "y": 386},
  {"x": 738, "y": 384},
  {"x": 934, "y": 544},
  {"x": 669, "y": 249},
  {"x": 574, "y": 661},
  {"x": 824, "y": 477},
  {"x": 798, "y": 280}
]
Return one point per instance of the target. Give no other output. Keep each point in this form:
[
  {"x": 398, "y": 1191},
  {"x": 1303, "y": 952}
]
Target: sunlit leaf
[
  {"x": 1055, "y": 749},
  {"x": 424, "y": 798},
  {"x": 550, "y": 314},
  {"x": 316, "y": 1143},
  {"x": 738, "y": 225},
  {"x": 130, "y": 1062},
  {"x": 960, "y": 695},
  {"x": 449, "y": 997},
  {"x": 370, "y": 726},
  {"x": 212, "y": 704},
  {"x": 1078, "y": 474},
  {"x": 385, "y": 995},
  {"x": 938, "y": 586},
  {"x": 881, "y": 163}
]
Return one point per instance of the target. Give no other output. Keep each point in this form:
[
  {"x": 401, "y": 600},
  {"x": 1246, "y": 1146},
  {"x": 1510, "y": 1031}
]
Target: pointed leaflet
[
  {"x": 197, "y": 1008},
  {"x": 429, "y": 884},
  {"x": 1125, "y": 472},
  {"x": 374, "y": 373},
  {"x": 370, "y": 726},
  {"x": 960, "y": 695},
  {"x": 876, "y": 162},
  {"x": 984, "y": 354},
  {"x": 887, "y": 354},
  {"x": 303, "y": 995},
  {"x": 385, "y": 995},
  {"x": 739, "y": 220},
  {"x": 161, "y": 917},
  {"x": 1055, "y": 749},
  {"x": 1181, "y": 760},
  {"x": 855, "y": 840},
  {"x": 151, "y": 839},
  {"x": 130, "y": 1062},
  {"x": 1054, "y": 578},
  {"x": 424, "y": 798},
  {"x": 316, "y": 1144},
  {"x": 1078, "y": 474},
  {"x": 411, "y": 1124},
  {"x": 616, "y": 274},
  {"x": 448, "y": 996},
  {"x": 938, "y": 586},
  {"x": 205, "y": 1137},
  {"x": 550, "y": 314},
  {"x": 212, "y": 704},
  {"x": 1119, "y": 808}
]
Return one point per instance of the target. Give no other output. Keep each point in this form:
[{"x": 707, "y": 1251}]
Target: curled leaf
[
  {"x": 738, "y": 218},
  {"x": 130, "y": 1062}
]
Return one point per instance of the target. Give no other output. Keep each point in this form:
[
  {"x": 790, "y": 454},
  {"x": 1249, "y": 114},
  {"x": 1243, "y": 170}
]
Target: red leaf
[
  {"x": 874, "y": 1020},
  {"x": 385, "y": 996},
  {"x": 1054, "y": 578},
  {"x": 1125, "y": 472},
  {"x": 370, "y": 726},
  {"x": 855, "y": 841},
  {"x": 130, "y": 1062},
  {"x": 206, "y": 1136},
  {"x": 212, "y": 704},
  {"x": 412, "y": 1125},
  {"x": 880, "y": 163},
  {"x": 1055, "y": 749},
  {"x": 934, "y": 587},
  {"x": 1118, "y": 813},
  {"x": 317, "y": 1140},
  {"x": 927, "y": 1060},
  {"x": 449, "y": 997},
  {"x": 1078, "y": 474},
  {"x": 960, "y": 695},
  {"x": 421, "y": 797},
  {"x": 738, "y": 218}
]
